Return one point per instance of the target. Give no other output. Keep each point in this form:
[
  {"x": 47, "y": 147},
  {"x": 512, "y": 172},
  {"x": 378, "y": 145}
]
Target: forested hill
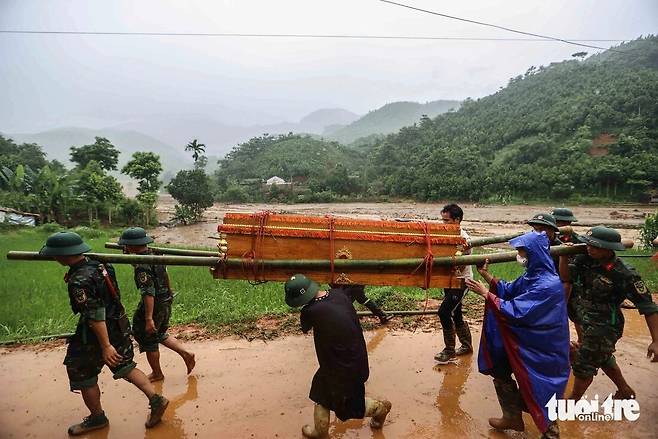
[
  {"x": 389, "y": 119},
  {"x": 325, "y": 169},
  {"x": 572, "y": 129}
]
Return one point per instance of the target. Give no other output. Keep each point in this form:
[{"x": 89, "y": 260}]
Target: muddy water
[{"x": 259, "y": 390}]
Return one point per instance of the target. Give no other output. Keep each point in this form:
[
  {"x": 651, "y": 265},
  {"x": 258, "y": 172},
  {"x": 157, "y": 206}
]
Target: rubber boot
[
  {"x": 448, "y": 353},
  {"x": 377, "y": 411},
  {"x": 90, "y": 423},
  {"x": 464, "y": 335},
  {"x": 377, "y": 312},
  {"x": 511, "y": 403},
  {"x": 321, "y": 421},
  {"x": 552, "y": 432}
]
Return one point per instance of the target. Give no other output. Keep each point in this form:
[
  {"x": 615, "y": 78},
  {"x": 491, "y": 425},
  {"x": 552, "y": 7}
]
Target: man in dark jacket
[{"x": 339, "y": 383}]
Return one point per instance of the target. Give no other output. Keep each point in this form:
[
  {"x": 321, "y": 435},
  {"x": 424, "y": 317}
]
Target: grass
[{"x": 34, "y": 301}]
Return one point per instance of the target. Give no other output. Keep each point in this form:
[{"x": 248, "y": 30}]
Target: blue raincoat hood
[{"x": 537, "y": 247}]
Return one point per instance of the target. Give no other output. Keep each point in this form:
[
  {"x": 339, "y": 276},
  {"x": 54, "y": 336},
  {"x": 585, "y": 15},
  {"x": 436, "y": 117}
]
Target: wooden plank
[{"x": 308, "y": 248}]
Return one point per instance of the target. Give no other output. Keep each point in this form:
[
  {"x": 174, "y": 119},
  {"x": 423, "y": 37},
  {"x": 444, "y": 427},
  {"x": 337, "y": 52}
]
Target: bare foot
[
  {"x": 627, "y": 393},
  {"x": 190, "y": 362},
  {"x": 153, "y": 377}
]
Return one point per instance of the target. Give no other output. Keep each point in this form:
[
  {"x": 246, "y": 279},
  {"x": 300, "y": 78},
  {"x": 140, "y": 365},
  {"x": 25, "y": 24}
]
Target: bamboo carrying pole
[
  {"x": 113, "y": 258},
  {"x": 302, "y": 265},
  {"x": 299, "y": 265},
  {"x": 169, "y": 251},
  {"x": 497, "y": 239}
]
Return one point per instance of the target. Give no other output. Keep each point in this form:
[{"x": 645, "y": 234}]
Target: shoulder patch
[
  {"x": 640, "y": 287},
  {"x": 79, "y": 295},
  {"x": 143, "y": 278}
]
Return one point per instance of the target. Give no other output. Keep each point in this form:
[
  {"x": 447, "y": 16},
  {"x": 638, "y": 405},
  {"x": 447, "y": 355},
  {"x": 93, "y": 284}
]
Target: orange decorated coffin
[{"x": 263, "y": 236}]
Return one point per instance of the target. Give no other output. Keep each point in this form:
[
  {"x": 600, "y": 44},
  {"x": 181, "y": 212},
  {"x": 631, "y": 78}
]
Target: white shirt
[{"x": 465, "y": 271}]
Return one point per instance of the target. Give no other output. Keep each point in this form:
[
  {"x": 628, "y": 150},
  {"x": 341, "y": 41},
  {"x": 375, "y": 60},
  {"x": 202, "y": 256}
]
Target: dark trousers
[{"x": 451, "y": 308}]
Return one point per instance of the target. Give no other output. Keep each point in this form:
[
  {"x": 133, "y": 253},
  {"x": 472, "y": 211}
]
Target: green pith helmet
[
  {"x": 300, "y": 290},
  {"x": 603, "y": 237},
  {"x": 135, "y": 236},
  {"x": 544, "y": 219},
  {"x": 563, "y": 214},
  {"x": 64, "y": 244}
]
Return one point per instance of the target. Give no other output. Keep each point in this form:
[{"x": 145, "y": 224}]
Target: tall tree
[
  {"x": 95, "y": 188},
  {"x": 26, "y": 154},
  {"x": 192, "y": 190},
  {"x": 145, "y": 167},
  {"x": 101, "y": 151},
  {"x": 197, "y": 149}
]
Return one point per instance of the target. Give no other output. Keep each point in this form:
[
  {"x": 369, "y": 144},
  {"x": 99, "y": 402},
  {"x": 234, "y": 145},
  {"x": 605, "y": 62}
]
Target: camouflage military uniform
[
  {"x": 602, "y": 288},
  {"x": 91, "y": 298},
  {"x": 152, "y": 280},
  {"x": 574, "y": 297}
]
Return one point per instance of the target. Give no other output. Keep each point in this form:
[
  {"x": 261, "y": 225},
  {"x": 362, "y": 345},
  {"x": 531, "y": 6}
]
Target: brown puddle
[{"x": 259, "y": 390}]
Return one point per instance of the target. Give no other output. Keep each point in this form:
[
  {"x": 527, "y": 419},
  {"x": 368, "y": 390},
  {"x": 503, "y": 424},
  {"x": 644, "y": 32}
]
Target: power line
[
  {"x": 309, "y": 36},
  {"x": 481, "y": 23}
]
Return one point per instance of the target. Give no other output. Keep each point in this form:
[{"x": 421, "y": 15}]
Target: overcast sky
[{"x": 102, "y": 80}]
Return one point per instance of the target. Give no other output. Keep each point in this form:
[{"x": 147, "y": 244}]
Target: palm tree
[{"x": 197, "y": 149}]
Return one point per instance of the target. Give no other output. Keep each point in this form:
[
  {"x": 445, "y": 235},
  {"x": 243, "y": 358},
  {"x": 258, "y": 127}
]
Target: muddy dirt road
[
  {"x": 479, "y": 220},
  {"x": 259, "y": 390}
]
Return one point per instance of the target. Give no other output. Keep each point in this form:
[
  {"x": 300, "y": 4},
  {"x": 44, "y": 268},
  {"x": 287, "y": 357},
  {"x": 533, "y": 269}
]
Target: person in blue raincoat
[{"x": 525, "y": 332}]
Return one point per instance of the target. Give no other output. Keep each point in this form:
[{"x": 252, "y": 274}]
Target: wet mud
[
  {"x": 479, "y": 220},
  {"x": 259, "y": 390}
]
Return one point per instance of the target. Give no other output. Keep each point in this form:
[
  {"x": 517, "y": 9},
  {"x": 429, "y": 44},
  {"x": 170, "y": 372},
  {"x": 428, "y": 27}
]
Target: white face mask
[{"x": 521, "y": 260}]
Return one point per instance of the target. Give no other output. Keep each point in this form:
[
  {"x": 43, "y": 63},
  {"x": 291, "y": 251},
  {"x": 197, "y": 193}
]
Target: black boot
[
  {"x": 511, "y": 403},
  {"x": 377, "y": 312},
  {"x": 464, "y": 335},
  {"x": 447, "y": 355}
]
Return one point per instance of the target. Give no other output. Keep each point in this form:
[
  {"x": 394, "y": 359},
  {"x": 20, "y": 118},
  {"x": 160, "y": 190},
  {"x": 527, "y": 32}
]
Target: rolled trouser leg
[
  {"x": 321, "y": 421},
  {"x": 464, "y": 335},
  {"x": 377, "y": 410},
  {"x": 511, "y": 404}
]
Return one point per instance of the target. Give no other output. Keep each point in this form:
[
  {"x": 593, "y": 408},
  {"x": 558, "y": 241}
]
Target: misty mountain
[
  {"x": 56, "y": 144},
  {"x": 318, "y": 121},
  {"x": 220, "y": 137},
  {"x": 167, "y": 135},
  {"x": 390, "y": 118}
]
